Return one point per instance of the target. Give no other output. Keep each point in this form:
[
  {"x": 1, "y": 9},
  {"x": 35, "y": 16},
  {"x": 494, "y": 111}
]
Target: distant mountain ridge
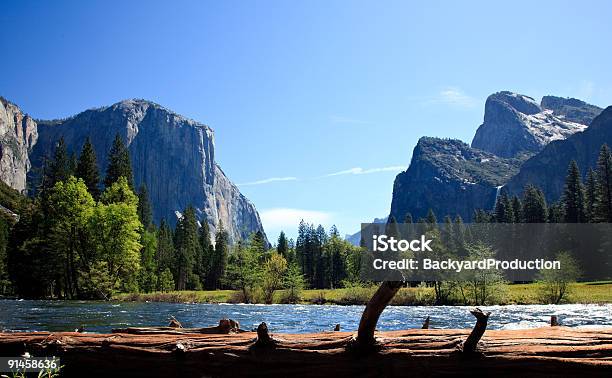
[
  {"x": 453, "y": 178},
  {"x": 548, "y": 169},
  {"x": 516, "y": 124},
  {"x": 449, "y": 177},
  {"x": 173, "y": 155}
]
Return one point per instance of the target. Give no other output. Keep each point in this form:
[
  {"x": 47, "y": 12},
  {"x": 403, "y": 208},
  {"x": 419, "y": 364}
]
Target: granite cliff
[
  {"x": 18, "y": 134},
  {"x": 173, "y": 155},
  {"x": 548, "y": 169},
  {"x": 516, "y": 124},
  {"x": 451, "y": 178}
]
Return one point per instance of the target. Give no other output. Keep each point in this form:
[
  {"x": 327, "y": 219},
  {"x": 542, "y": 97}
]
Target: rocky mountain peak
[
  {"x": 571, "y": 109},
  {"x": 451, "y": 178},
  {"x": 516, "y": 124}
]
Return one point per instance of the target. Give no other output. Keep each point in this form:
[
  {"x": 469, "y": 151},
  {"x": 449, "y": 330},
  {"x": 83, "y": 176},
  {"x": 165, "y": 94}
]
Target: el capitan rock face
[
  {"x": 516, "y": 124},
  {"x": 451, "y": 178},
  {"x": 174, "y": 156},
  {"x": 18, "y": 134}
]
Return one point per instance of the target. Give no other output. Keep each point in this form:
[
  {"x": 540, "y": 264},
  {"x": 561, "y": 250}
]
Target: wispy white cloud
[
  {"x": 361, "y": 171},
  {"x": 450, "y": 96},
  {"x": 269, "y": 180},
  {"x": 347, "y": 120},
  {"x": 456, "y": 97},
  {"x": 289, "y": 218},
  {"x": 350, "y": 171}
]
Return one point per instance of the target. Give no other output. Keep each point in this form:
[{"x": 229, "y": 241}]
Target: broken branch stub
[
  {"x": 375, "y": 306},
  {"x": 481, "y": 325}
]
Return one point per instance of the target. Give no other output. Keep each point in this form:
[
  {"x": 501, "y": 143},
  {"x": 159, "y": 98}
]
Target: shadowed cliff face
[
  {"x": 515, "y": 124},
  {"x": 174, "y": 156},
  {"x": 18, "y": 133},
  {"x": 451, "y": 178},
  {"x": 548, "y": 169}
]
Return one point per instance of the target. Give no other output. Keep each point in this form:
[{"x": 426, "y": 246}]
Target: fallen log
[
  {"x": 543, "y": 352},
  {"x": 225, "y": 326}
]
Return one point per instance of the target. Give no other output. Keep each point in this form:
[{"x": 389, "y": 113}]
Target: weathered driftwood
[
  {"x": 375, "y": 306},
  {"x": 225, "y": 326},
  {"x": 426, "y": 323},
  {"x": 481, "y": 325},
  {"x": 545, "y": 352},
  {"x": 554, "y": 321}
]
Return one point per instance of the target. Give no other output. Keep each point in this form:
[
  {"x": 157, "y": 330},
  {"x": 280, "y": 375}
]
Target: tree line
[{"x": 81, "y": 236}]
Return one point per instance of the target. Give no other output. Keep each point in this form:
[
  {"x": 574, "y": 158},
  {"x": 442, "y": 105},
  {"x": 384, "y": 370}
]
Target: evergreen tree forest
[{"x": 83, "y": 236}]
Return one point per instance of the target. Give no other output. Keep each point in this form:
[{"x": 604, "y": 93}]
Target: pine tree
[
  {"x": 145, "y": 213},
  {"x": 408, "y": 218},
  {"x": 603, "y": 197},
  {"x": 573, "y": 196},
  {"x": 503, "y": 209},
  {"x": 517, "y": 209},
  {"x": 165, "y": 252},
  {"x": 534, "y": 205},
  {"x": 319, "y": 239},
  {"x": 282, "y": 246},
  {"x": 431, "y": 217},
  {"x": 119, "y": 164},
  {"x": 87, "y": 169},
  {"x": 205, "y": 262},
  {"x": 59, "y": 168},
  {"x": 590, "y": 195},
  {"x": 219, "y": 261},
  {"x": 187, "y": 249}
]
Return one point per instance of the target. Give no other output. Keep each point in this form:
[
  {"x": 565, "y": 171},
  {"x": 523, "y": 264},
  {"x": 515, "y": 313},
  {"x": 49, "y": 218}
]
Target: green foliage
[
  {"x": 120, "y": 192},
  {"x": 603, "y": 193},
  {"x": 4, "y": 240},
  {"x": 165, "y": 281},
  {"x": 294, "y": 283},
  {"x": 119, "y": 164},
  {"x": 116, "y": 232},
  {"x": 504, "y": 211},
  {"x": 187, "y": 250},
  {"x": 555, "y": 284},
  {"x": 481, "y": 286},
  {"x": 534, "y": 205},
  {"x": 573, "y": 196},
  {"x": 145, "y": 213},
  {"x": 87, "y": 169},
  {"x": 273, "y": 273},
  {"x": 244, "y": 272},
  {"x": 282, "y": 246},
  {"x": 70, "y": 209},
  {"x": 165, "y": 249},
  {"x": 147, "y": 279},
  {"x": 219, "y": 258}
]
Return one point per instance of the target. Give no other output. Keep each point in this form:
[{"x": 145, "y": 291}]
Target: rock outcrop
[
  {"x": 18, "y": 134},
  {"x": 571, "y": 109},
  {"x": 173, "y": 155},
  {"x": 516, "y": 124},
  {"x": 451, "y": 178},
  {"x": 548, "y": 169}
]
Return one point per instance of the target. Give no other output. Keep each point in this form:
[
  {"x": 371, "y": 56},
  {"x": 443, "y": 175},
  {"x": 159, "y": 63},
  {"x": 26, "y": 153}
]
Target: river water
[{"x": 41, "y": 315}]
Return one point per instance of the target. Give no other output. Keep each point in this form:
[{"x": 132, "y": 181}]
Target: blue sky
[{"x": 316, "y": 105}]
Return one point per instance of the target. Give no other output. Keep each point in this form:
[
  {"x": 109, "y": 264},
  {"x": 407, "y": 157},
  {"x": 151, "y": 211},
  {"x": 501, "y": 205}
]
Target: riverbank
[
  {"x": 528, "y": 294},
  {"x": 541, "y": 352}
]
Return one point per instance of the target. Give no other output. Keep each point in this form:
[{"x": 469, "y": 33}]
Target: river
[{"x": 43, "y": 315}]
